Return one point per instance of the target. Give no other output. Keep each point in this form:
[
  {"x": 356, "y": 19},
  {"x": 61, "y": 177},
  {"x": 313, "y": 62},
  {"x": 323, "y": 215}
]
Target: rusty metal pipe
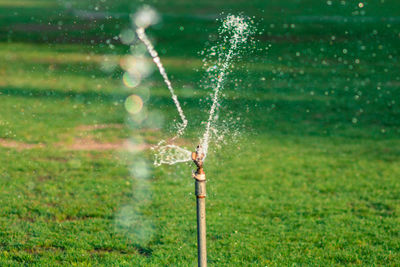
[{"x": 200, "y": 190}]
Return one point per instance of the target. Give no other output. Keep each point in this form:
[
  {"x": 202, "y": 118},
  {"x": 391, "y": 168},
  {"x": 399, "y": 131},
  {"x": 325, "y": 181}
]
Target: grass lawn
[{"x": 312, "y": 180}]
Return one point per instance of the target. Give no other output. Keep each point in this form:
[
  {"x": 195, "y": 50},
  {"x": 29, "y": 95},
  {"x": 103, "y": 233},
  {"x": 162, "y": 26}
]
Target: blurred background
[{"x": 308, "y": 176}]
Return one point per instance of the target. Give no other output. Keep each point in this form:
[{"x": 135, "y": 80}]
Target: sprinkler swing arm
[{"x": 200, "y": 190}]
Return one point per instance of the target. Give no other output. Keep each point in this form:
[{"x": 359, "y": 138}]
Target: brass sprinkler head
[{"x": 197, "y": 158}]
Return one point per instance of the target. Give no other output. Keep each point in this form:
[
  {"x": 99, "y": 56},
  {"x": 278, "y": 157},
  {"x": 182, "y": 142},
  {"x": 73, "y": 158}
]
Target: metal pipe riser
[{"x": 200, "y": 189}]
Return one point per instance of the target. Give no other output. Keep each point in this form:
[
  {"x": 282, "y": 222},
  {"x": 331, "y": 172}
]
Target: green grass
[{"x": 312, "y": 180}]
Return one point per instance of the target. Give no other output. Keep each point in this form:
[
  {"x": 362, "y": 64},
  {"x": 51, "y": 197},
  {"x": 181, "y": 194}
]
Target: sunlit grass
[{"x": 311, "y": 180}]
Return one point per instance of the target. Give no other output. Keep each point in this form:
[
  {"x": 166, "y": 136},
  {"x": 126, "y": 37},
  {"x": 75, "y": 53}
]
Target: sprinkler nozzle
[{"x": 197, "y": 158}]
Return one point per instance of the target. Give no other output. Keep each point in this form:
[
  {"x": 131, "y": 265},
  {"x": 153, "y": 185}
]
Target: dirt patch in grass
[
  {"x": 82, "y": 144},
  {"x": 43, "y": 178},
  {"x": 79, "y": 144},
  {"x": 90, "y": 144},
  {"x": 18, "y": 145},
  {"x": 83, "y": 140},
  {"x": 99, "y": 126}
]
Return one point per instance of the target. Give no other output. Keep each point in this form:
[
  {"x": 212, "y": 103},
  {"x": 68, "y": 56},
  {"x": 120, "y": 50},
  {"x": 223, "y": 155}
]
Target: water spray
[
  {"x": 236, "y": 30},
  {"x": 200, "y": 191},
  {"x": 240, "y": 30}
]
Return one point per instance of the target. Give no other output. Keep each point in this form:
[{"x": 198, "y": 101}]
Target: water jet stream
[{"x": 156, "y": 59}]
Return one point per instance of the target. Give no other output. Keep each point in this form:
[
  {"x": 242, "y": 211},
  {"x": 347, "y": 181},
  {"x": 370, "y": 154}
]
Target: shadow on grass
[
  {"x": 85, "y": 96},
  {"x": 277, "y": 116},
  {"x": 142, "y": 250}
]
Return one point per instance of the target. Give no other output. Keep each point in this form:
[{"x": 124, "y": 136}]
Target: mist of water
[
  {"x": 170, "y": 154},
  {"x": 237, "y": 30}
]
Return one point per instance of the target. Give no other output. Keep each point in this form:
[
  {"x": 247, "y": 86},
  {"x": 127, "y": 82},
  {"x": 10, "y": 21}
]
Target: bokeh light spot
[
  {"x": 131, "y": 80},
  {"x": 145, "y": 17},
  {"x": 134, "y": 104},
  {"x": 127, "y": 36}
]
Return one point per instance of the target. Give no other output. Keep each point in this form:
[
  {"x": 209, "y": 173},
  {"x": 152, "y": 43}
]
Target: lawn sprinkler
[
  {"x": 235, "y": 32},
  {"x": 200, "y": 191}
]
